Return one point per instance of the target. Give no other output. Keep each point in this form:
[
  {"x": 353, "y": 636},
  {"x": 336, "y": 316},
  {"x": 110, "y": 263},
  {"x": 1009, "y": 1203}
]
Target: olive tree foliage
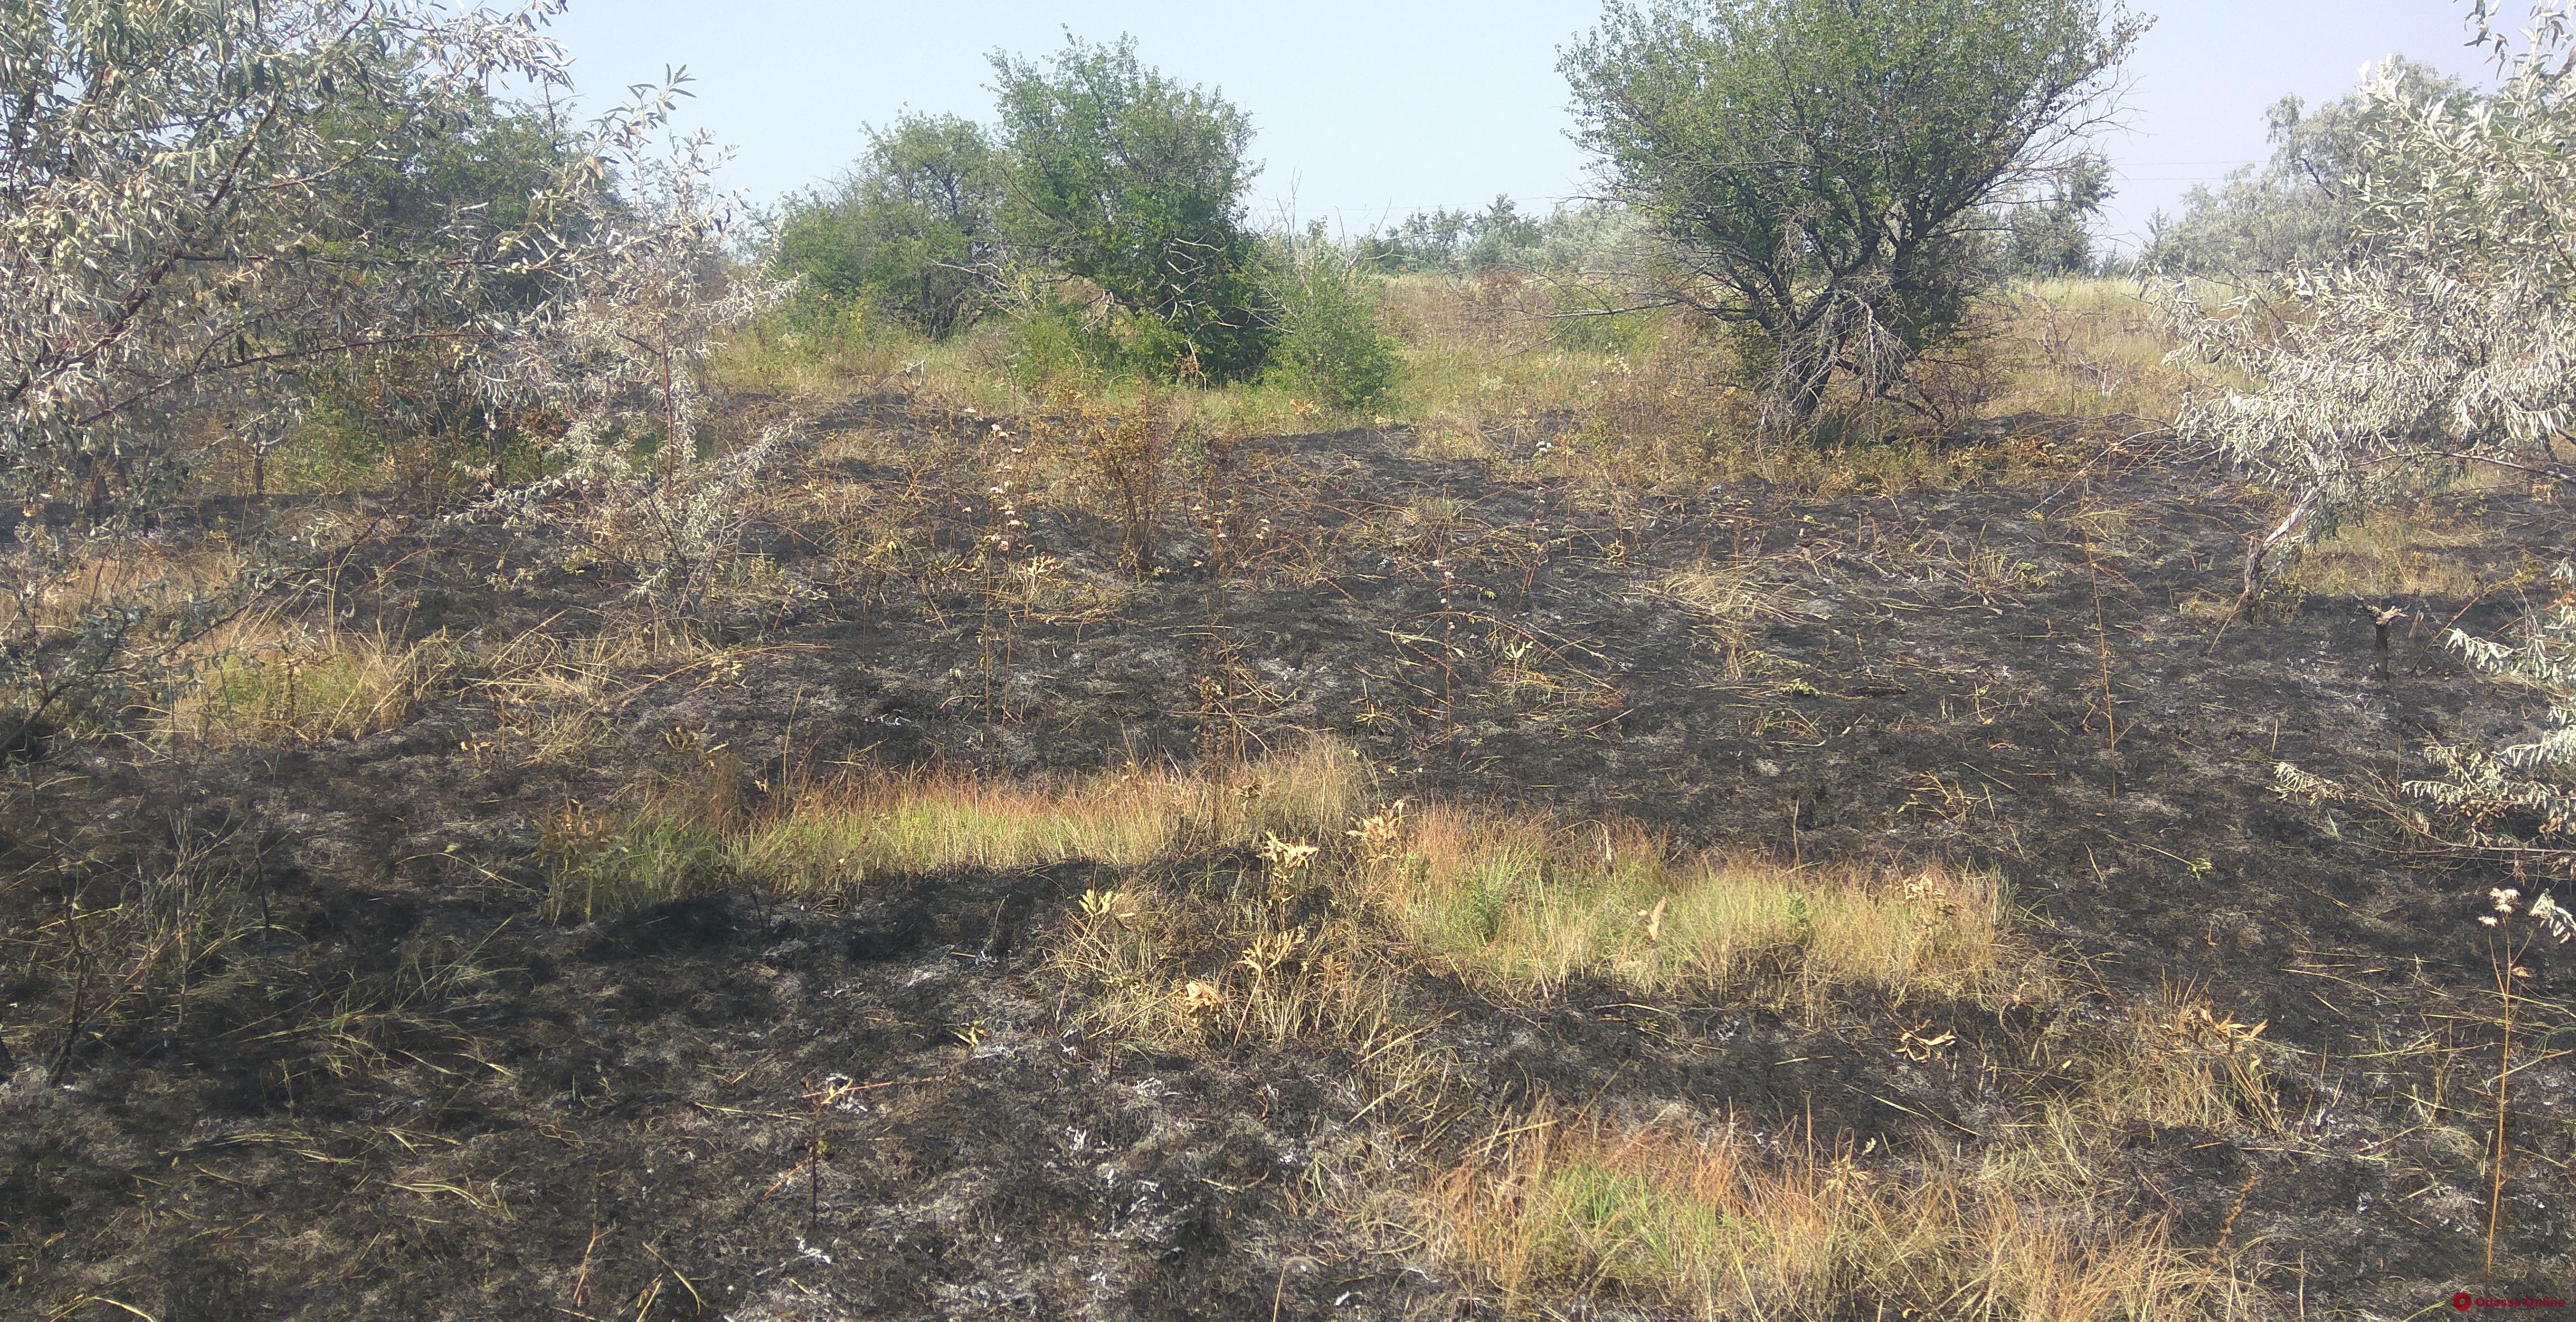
[
  {"x": 1816, "y": 170},
  {"x": 169, "y": 250},
  {"x": 1134, "y": 181},
  {"x": 2300, "y": 206},
  {"x": 2443, "y": 335},
  {"x": 2524, "y": 783}
]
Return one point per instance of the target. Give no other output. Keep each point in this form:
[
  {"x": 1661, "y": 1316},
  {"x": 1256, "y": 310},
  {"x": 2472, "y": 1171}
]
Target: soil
[{"x": 402, "y": 1093}]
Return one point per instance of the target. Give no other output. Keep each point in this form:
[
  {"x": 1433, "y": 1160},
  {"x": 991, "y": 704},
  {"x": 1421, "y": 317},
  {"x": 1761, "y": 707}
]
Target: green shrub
[
  {"x": 1134, "y": 182},
  {"x": 910, "y": 232},
  {"x": 1066, "y": 340},
  {"x": 1329, "y": 307}
]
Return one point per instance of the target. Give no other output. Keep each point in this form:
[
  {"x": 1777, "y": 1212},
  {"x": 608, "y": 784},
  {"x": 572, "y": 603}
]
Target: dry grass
[
  {"x": 47, "y": 603},
  {"x": 1705, "y": 1224},
  {"x": 696, "y": 831},
  {"x": 1522, "y": 905},
  {"x": 1493, "y": 369},
  {"x": 263, "y": 683},
  {"x": 2382, "y": 555},
  {"x": 2172, "y": 1061},
  {"x": 2086, "y": 348},
  {"x": 847, "y": 834},
  {"x": 1158, "y": 969}
]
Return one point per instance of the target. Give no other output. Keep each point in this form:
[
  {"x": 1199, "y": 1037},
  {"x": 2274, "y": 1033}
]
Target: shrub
[
  {"x": 911, "y": 231},
  {"x": 1134, "y": 182},
  {"x": 1060, "y": 339},
  {"x": 1333, "y": 338}
]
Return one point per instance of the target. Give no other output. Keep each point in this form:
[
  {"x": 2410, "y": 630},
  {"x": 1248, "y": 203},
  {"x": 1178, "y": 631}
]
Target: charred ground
[{"x": 409, "y": 1088}]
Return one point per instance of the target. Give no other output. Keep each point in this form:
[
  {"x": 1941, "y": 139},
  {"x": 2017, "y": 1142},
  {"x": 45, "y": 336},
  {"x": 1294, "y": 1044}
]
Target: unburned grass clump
[
  {"x": 1714, "y": 1225},
  {"x": 298, "y": 685},
  {"x": 1524, "y": 905},
  {"x": 845, "y": 834},
  {"x": 831, "y": 839},
  {"x": 2171, "y": 1062},
  {"x": 2381, "y": 556}
]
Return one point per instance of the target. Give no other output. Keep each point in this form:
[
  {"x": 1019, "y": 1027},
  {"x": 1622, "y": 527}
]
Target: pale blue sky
[{"x": 1368, "y": 111}]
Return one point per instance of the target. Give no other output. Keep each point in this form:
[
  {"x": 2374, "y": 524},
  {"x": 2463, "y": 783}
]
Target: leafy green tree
[
  {"x": 1135, "y": 182},
  {"x": 912, "y": 230},
  {"x": 1815, "y": 168},
  {"x": 2053, "y": 236}
]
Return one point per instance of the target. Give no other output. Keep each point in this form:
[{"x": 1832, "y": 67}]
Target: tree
[
  {"x": 175, "y": 241},
  {"x": 1451, "y": 240},
  {"x": 1135, "y": 182},
  {"x": 212, "y": 211},
  {"x": 913, "y": 230},
  {"x": 2300, "y": 207},
  {"x": 2443, "y": 333},
  {"x": 2053, "y": 236},
  {"x": 1815, "y": 167}
]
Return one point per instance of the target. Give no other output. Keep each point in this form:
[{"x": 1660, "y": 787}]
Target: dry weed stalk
[{"x": 1128, "y": 452}]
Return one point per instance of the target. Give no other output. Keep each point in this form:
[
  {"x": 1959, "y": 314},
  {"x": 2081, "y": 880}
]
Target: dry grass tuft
[
  {"x": 2087, "y": 348},
  {"x": 2178, "y": 1061},
  {"x": 696, "y": 834},
  {"x": 844, "y": 834},
  {"x": 1520, "y": 904},
  {"x": 1706, "y": 1225},
  {"x": 263, "y": 685},
  {"x": 2384, "y": 555}
]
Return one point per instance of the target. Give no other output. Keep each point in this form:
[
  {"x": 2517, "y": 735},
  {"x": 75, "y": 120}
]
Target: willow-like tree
[
  {"x": 2443, "y": 337},
  {"x": 210, "y": 207},
  {"x": 1817, "y": 169}
]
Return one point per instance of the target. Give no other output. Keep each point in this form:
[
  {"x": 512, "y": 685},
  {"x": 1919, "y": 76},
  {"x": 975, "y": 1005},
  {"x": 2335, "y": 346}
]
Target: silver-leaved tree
[
  {"x": 614, "y": 353},
  {"x": 2445, "y": 336},
  {"x": 206, "y": 204},
  {"x": 171, "y": 249}
]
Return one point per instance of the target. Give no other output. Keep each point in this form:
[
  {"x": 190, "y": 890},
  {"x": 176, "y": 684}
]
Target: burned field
[{"x": 1387, "y": 885}]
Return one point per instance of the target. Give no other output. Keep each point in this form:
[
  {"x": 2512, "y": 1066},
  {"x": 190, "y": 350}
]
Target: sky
[{"x": 1367, "y": 112}]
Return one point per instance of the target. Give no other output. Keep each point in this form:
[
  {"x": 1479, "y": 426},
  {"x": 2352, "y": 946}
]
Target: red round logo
[{"x": 2460, "y": 1301}]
